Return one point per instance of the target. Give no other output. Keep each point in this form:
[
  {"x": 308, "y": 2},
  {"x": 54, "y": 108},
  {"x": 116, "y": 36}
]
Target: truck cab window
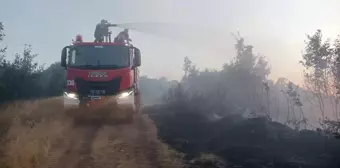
[{"x": 100, "y": 57}]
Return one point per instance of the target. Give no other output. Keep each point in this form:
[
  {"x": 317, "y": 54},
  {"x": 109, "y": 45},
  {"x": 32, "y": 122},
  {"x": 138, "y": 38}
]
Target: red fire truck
[{"x": 98, "y": 71}]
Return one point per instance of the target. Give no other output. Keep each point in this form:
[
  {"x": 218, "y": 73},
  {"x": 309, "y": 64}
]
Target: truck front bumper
[{"x": 125, "y": 99}]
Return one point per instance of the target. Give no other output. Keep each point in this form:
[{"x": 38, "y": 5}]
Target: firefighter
[
  {"x": 123, "y": 36},
  {"x": 102, "y": 30}
]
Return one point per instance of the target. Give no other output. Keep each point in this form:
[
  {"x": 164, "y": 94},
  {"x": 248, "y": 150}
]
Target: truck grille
[{"x": 86, "y": 88}]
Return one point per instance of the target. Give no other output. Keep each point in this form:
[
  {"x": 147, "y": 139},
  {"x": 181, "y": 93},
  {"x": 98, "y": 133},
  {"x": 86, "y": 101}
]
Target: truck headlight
[
  {"x": 71, "y": 95},
  {"x": 125, "y": 94}
]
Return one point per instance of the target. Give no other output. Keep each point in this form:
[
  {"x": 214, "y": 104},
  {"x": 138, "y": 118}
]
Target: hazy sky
[{"x": 276, "y": 28}]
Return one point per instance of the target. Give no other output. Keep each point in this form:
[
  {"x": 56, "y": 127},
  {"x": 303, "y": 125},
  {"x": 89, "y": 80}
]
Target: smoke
[
  {"x": 203, "y": 37},
  {"x": 174, "y": 31}
]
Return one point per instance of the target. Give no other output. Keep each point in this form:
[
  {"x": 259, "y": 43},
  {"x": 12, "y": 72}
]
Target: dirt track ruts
[
  {"x": 127, "y": 146},
  {"x": 100, "y": 146},
  {"x": 58, "y": 140},
  {"x": 79, "y": 150}
]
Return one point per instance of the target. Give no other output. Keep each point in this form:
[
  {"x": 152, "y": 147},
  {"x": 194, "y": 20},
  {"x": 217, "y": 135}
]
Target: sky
[{"x": 198, "y": 29}]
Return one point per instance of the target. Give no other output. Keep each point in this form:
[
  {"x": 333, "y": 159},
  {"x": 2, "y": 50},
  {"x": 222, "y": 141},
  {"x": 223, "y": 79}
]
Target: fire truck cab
[{"x": 101, "y": 71}]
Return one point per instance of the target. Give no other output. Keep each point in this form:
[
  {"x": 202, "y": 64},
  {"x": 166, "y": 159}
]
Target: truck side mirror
[
  {"x": 64, "y": 56},
  {"x": 137, "y": 59}
]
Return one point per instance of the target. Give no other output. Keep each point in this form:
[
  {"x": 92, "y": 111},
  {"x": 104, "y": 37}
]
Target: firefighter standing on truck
[
  {"x": 123, "y": 36},
  {"x": 102, "y": 30}
]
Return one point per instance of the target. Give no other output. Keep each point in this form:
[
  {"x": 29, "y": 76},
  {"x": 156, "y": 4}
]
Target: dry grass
[
  {"x": 39, "y": 133},
  {"x": 32, "y": 128},
  {"x": 107, "y": 114},
  {"x": 134, "y": 145}
]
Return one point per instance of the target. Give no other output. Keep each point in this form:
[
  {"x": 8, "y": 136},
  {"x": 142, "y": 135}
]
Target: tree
[
  {"x": 245, "y": 59},
  {"x": 186, "y": 66},
  {"x": 2, "y": 35},
  {"x": 336, "y": 73},
  {"x": 316, "y": 60},
  {"x": 53, "y": 80},
  {"x": 261, "y": 68},
  {"x": 19, "y": 79},
  {"x": 293, "y": 100}
]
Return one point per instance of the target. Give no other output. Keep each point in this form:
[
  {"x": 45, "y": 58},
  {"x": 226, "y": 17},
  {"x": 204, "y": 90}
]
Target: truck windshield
[{"x": 99, "y": 57}]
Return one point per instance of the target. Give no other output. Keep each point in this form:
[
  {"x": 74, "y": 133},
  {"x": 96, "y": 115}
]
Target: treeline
[
  {"x": 241, "y": 87},
  {"x": 237, "y": 117},
  {"x": 23, "y": 78}
]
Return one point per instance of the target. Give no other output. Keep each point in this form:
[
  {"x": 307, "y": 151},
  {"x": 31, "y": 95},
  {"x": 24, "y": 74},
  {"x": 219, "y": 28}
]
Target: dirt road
[{"x": 55, "y": 141}]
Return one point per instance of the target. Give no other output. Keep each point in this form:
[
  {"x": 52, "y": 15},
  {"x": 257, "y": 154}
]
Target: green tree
[
  {"x": 245, "y": 59},
  {"x": 336, "y": 73},
  {"x": 19, "y": 79},
  {"x": 53, "y": 80},
  {"x": 316, "y": 60},
  {"x": 2, "y": 35}
]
